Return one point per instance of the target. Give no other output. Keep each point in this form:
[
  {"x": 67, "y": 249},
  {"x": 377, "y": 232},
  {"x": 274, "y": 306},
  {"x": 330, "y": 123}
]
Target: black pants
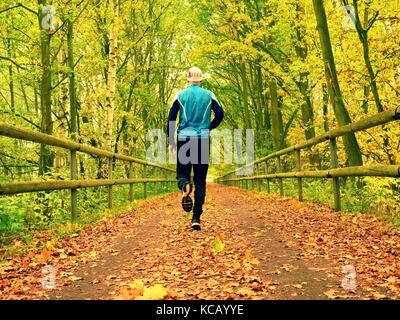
[{"x": 193, "y": 153}]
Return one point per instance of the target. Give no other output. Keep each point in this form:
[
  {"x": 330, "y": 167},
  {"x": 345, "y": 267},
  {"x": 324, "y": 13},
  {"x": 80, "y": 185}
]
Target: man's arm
[
  {"x": 218, "y": 113},
  {"x": 171, "y": 124}
]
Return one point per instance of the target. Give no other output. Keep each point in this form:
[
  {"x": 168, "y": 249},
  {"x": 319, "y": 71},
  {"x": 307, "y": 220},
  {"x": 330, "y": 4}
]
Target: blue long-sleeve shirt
[{"x": 194, "y": 105}]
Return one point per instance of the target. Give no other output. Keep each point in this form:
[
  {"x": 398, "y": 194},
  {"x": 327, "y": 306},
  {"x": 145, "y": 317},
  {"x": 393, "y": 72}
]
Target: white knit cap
[{"x": 195, "y": 74}]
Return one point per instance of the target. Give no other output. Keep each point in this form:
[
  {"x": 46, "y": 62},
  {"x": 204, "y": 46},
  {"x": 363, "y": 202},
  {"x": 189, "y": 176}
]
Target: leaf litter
[{"x": 154, "y": 260}]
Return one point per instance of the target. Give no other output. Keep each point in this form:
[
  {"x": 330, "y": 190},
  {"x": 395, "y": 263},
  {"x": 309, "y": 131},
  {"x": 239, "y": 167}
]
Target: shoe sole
[
  {"x": 188, "y": 192},
  {"x": 196, "y": 226},
  {"x": 187, "y": 202}
]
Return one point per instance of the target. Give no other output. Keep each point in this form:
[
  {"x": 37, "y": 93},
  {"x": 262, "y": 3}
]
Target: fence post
[
  {"x": 162, "y": 176},
  {"x": 251, "y": 186},
  {"x": 155, "y": 174},
  {"x": 299, "y": 180},
  {"x": 335, "y": 180},
  {"x": 130, "y": 175},
  {"x": 145, "y": 183},
  {"x": 266, "y": 172},
  {"x": 74, "y": 192},
  {"x": 258, "y": 180},
  {"x": 253, "y": 180},
  {"x": 165, "y": 176},
  {"x": 110, "y": 175},
  {"x": 279, "y": 167}
]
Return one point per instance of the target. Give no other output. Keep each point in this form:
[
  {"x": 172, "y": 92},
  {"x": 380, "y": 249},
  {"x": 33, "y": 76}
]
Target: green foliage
[
  {"x": 376, "y": 196},
  {"x": 21, "y": 216},
  {"x": 12, "y": 216},
  {"x": 244, "y": 45}
]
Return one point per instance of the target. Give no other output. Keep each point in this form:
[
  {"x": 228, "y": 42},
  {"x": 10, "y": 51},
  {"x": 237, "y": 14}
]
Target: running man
[{"x": 194, "y": 105}]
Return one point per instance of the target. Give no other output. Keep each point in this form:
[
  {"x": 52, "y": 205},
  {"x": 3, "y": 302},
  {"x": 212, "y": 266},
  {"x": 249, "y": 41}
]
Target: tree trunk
[
  {"x": 325, "y": 107},
  {"x": 342, "y": 116},
  {"x": 11, "y": 74},
  {"x": 276, "y": 118},
  {"x": 10, "y": 54},
  {"x": 71, "y": 76},
  {"x": 260, "y": 103},
  {"x": 111, "y": 76},
  {"x": 306, "y": 105},
  {"x": 363, "y": 36},
  {"x": 46, "y": 156},
  {"x": 245, "y": 92}
]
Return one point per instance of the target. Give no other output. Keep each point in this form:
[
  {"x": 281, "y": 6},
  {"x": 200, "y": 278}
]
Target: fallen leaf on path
[
  {"x": 212, "y": 283},
  {"x": 379, "y": 296},
  {"x": 75, "y": 278},
  {"x": 156, "y": 292},
  {"x": 218, "y": 245},
  {"x": 245, "y": 292},
  {"x": 45, "y": 255},
  {"x": 331, "y": 294},
  {"x": 248, "y": 258},
  {"x": 137, "y": 291},
  {"x": 287, "y": 267}
]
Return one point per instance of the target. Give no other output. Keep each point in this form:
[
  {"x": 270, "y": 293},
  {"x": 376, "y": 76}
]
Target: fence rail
[
  {"x": 334, "y": 173},
  {"x": 9, "y": 188},
  {"x": 42, "y": 138}
]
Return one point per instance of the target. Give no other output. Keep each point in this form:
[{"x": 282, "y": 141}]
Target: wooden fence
[
  {"x": 74, "y": 184},
  {"x": 235, "y": 177}
]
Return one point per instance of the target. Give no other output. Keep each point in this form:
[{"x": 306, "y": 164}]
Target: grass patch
[{"x": 25, "y": 217}]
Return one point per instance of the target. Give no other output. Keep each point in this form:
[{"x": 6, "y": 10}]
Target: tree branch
[
  {"x": 23, "y": 118},
  {"x": 372, "y": 21},
  {"x": 18, "y": 5},
  {"x": 13, "y": 62}
]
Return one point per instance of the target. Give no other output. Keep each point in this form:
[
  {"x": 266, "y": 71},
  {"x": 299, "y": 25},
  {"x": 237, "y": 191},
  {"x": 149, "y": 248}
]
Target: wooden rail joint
[
  {"x": 397, "y": 113},
  {"x": 78, "y": 148}
]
